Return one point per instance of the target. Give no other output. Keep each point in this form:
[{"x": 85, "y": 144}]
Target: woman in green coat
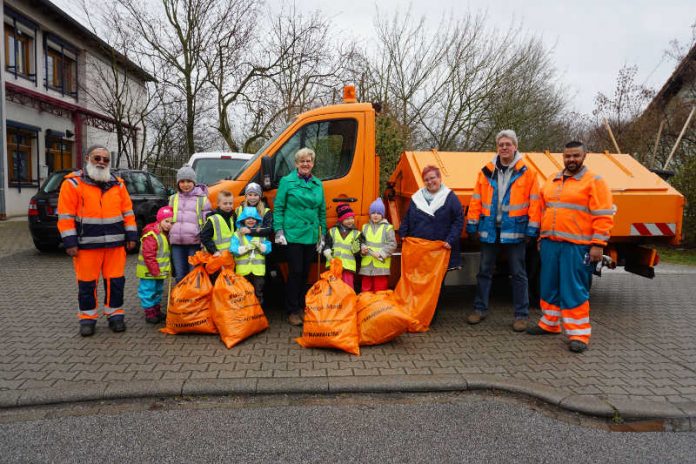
[{"x": 299, "y": 211}]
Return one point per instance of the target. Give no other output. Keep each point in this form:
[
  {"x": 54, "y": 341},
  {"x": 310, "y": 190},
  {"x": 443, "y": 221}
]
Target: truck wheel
[{"x": 533, "y": 275}]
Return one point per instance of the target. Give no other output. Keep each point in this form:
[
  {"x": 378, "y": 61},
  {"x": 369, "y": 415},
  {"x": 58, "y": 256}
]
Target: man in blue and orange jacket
[
  {"x": 577, "y": 218},
  {"x": 97, "y": 224},
  {"x": 504, "y": 211}
]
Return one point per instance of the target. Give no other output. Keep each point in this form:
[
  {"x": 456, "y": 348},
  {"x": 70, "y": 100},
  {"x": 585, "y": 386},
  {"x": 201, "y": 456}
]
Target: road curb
[{"x": 591, "y": 405}]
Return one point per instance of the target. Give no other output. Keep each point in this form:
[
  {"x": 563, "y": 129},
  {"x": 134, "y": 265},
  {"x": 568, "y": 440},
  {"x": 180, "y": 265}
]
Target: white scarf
[{"x": 437, "y": 202}]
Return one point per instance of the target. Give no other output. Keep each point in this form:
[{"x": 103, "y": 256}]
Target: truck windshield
[
  {"x": 264, "y": 147},
  {"x": 212, "y": 170}
]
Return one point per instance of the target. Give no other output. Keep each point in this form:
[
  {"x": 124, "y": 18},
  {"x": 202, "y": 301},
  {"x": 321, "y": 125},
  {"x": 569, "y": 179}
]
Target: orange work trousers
[{"x": 110, "y": 263}]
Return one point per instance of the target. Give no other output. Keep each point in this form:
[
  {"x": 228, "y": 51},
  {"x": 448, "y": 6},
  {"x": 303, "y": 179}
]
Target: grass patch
[{"x": 675, "y": 255}]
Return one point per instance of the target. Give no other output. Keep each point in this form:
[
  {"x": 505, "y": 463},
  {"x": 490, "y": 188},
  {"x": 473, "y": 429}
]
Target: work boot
[
  {"x": 576, "y": 346},
  {"x": 87, "y": 328},
  {"x": 152, "y": 316},
  {"x": 294, "y": 319},
  {"x": 160, "y": 315},
  {"x": 520, "y": 325},
  {"x": 117, "y": 324},
  {"x": 475, "y": 317},
  {"x": 536, "y": 330}
]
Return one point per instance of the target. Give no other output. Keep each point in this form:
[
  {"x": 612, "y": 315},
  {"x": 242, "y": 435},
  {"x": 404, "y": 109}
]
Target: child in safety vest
[
  {"x": 343, "y": 242},
  {"x": 379, "y": 244},
  {"x": 154, "y": 264},
  {"x": 219, "y": 227},
  {"x": 252, "y": 197},
  {"x": 190, "y": 205},
  {"x": 250, "y": 252}
]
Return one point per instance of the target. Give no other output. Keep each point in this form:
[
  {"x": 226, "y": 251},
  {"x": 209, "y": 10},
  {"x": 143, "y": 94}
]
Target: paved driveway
[{"x": 643, "y": 349}]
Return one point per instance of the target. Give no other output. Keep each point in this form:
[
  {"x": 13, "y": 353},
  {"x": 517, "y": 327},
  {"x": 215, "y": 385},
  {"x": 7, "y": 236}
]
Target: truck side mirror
[{"x": 267, "y": 172}]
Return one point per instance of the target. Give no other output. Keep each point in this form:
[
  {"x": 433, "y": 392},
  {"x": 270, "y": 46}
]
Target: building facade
[{"x": 53, "y": 97}]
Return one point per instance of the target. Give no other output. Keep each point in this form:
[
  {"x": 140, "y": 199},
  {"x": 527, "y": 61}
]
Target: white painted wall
[{"x": 91, "y": 83}]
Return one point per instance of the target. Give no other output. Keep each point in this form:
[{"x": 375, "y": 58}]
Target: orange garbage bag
[
  {"x": 330, "y": 316},
  {"x": 214, "y": 263},
  {"x": 423, "y": 267},
  {"x": 236, "y": 310},
  {"x": 381, "y": 317},
  {"x": 189, "y": 302}
]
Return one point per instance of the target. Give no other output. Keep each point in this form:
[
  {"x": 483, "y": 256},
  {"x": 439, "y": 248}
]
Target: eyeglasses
[{"x": 101, "y": 159}]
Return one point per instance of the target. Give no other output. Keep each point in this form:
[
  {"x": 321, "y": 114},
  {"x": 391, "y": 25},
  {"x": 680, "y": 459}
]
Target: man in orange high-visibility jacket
[
  {"x": 575, "y": 225},
  {"x": 96, "y": 221}
]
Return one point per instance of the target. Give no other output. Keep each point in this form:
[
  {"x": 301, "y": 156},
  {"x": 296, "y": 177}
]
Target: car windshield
[
  {"x": 264, "y": 147},
  {"x": 52, "y": 184},
  {"x": 211, "y": 170}
]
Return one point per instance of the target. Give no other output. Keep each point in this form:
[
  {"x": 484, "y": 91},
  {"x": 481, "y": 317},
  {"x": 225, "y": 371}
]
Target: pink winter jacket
[{"x": 185, "y": 229}]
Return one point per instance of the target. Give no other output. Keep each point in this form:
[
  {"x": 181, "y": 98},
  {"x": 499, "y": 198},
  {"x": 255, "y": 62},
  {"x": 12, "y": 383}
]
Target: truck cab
[{"x": 342, "y": 137}]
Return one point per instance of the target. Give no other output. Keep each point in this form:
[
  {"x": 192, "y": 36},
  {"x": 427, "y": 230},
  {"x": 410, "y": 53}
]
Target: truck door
[{"x": 338, "y": 163}]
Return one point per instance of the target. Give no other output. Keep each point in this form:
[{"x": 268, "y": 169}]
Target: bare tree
[{"x": 180, "y": 35}]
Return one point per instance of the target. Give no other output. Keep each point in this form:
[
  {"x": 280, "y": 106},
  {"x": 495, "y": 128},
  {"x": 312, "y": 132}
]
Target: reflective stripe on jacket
[
  {"x": 345, "y": 248},
  {"x": 376, "y": 241},
  {"x": 95, "y": 215},
  {"x": 577, "y": 209},
  {"x": 222, "y": 232},
  {"x": 521, "y": 207},
  {"x": 163, "y": 259}
]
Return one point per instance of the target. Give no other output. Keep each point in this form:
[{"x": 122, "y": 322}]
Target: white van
[{"x": 214, "y": 166}]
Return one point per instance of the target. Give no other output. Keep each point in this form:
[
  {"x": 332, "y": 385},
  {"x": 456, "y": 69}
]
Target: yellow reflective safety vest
[
  {"x": 375, "y": 242},
  {"x": 222, "y": 233},
  {"x": 253, "y": 261},
  {"x": 163, "y": 258},
  {"x": 343, "y": 248},
  {"x": 200, "y": 203}
]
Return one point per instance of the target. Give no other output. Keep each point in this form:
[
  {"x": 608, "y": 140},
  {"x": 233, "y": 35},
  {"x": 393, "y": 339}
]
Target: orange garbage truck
[{"x": 649, "y": 210}]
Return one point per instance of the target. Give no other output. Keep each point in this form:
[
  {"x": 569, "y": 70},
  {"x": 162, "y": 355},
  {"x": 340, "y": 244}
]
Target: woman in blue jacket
[{"x": 435, "y": 213}]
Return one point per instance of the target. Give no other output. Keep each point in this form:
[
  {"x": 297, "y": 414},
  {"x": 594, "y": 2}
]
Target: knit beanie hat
[
  {"x": 164, "y": 213},
  {"x": 186, "y": 173},
  {"x": 253, "y": 188},
  {"x": 343, "y": 210},
  {"x": 377, "y": 206}
]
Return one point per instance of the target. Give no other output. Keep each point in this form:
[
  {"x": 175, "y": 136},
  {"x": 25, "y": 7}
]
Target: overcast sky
[{"x": 591, "y": 39}]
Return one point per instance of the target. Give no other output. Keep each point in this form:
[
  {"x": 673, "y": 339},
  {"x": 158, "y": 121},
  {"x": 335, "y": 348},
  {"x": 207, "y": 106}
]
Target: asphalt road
[{"x": 348, "y": 428}]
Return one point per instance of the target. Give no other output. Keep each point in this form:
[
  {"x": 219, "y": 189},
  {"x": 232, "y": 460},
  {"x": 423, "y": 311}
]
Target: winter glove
[
  {"x": 262, "y": 248},
  {"x": 328, "y": 254},
  {"x": 242, "y": 249},
  {"x": 280, "y": 238},
  {"x": 320, "y": 244}
]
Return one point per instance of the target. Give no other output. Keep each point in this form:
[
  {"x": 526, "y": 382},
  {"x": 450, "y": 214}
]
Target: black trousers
[{"x": 299, "y": 258}]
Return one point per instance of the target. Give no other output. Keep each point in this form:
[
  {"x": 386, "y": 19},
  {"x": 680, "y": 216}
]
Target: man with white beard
[{"x": 97, "y": 225}]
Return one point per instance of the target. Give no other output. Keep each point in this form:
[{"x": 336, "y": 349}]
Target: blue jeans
[
  {"x": 150, "y": 292},
  {"x": 516, "y": 264},
  {"x": 180, "y": 254}
]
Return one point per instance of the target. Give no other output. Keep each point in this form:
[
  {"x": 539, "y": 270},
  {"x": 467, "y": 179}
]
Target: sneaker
[
  {"x": 576, "y": 346},
  {"x": 294, "y": 319},
  {"x": 87, "y": 330},
  {"x": 536, "y": 330},
  {"x": 475, "y": 318},
  {"x": 520, "y": 325},
  {"x": 117, "y": 324}
]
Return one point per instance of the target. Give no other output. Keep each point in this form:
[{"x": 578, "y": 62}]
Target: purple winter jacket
[{"x": 185, "y": 229}]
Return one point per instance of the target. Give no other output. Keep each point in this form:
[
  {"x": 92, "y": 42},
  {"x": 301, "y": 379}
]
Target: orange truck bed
[{"x": 648, "y": 209}]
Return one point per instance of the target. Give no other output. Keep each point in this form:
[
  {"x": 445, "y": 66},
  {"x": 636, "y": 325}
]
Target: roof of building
[
  {"x": 49, "y": 8},
  {"x": 684, "y": 73}
]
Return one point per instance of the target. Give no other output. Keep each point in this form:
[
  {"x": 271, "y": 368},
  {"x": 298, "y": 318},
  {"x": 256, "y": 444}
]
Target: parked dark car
[{"x": 147, "y": 193}]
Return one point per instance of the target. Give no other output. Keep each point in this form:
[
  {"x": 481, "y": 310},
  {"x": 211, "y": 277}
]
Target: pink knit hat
[
  {"x": 344, "y": 211},
  {"x": 164, "y": 213}
]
